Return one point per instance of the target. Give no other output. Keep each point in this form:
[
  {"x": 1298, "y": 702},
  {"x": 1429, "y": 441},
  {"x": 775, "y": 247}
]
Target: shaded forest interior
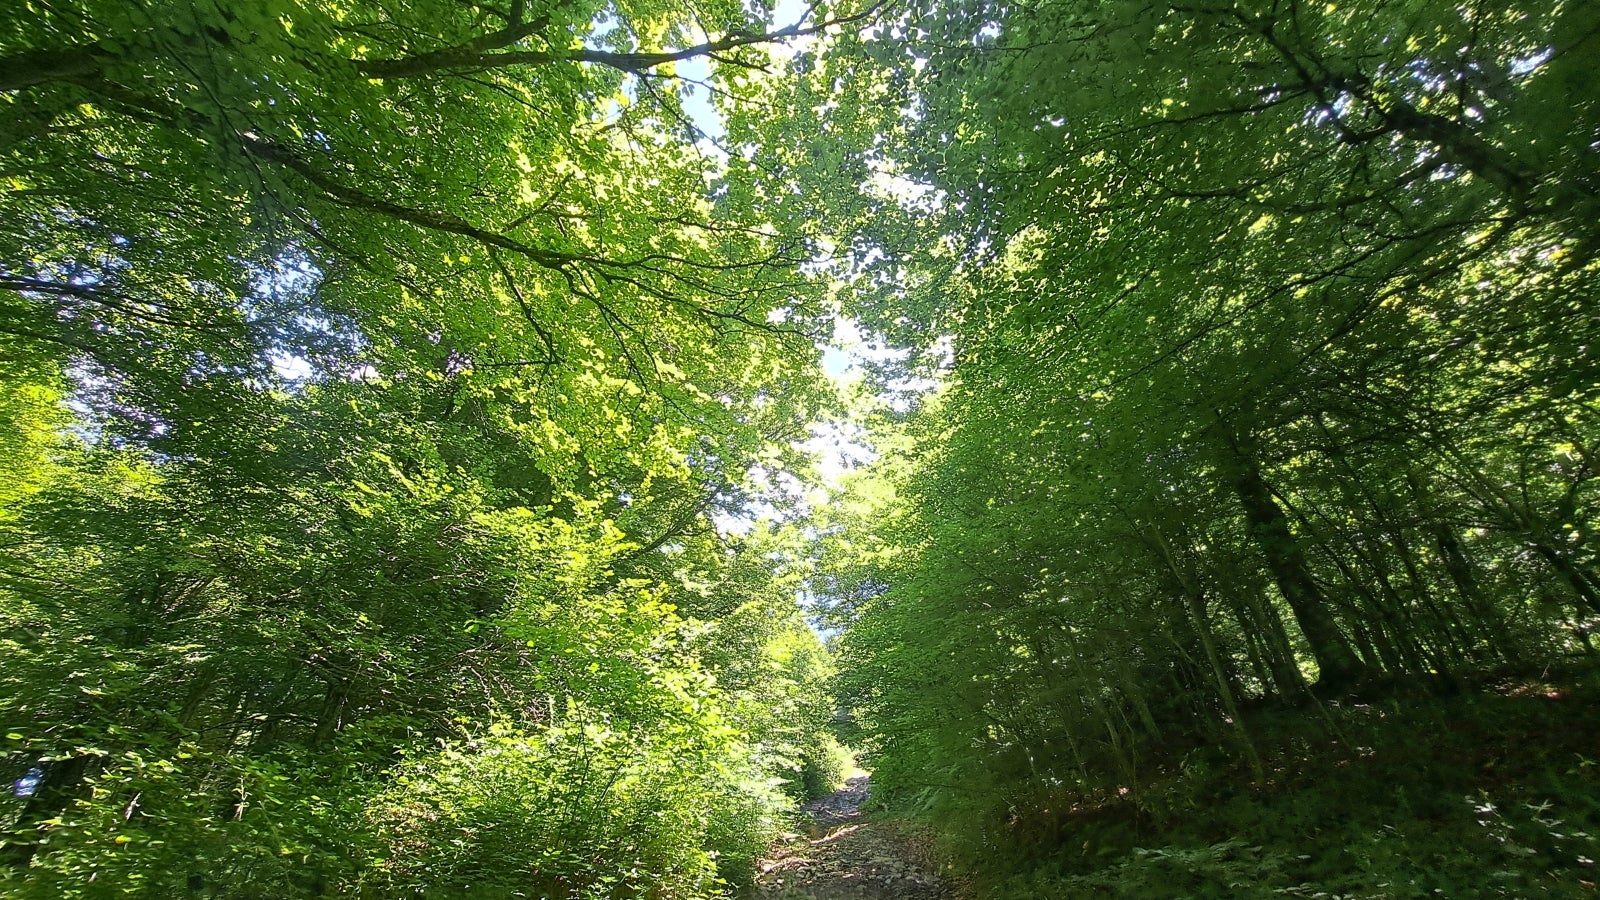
[{"x": 415, "y": 424}]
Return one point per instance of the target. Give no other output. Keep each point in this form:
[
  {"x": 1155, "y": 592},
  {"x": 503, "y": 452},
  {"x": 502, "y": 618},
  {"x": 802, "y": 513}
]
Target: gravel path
[{"x": 846, "y": 857}]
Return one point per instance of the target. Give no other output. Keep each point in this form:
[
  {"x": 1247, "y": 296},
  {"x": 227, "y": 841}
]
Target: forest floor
[
  {"x": 1408, "y": 792},
  {"x": 846, "y": 856}
]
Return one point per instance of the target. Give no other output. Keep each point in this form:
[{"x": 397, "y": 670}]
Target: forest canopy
[{"x": 408, "y": 415}]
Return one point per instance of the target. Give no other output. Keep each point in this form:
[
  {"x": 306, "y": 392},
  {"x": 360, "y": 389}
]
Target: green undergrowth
[
  {"x": 825, "y": 764},
  {"x": 1495, "y": 793}
]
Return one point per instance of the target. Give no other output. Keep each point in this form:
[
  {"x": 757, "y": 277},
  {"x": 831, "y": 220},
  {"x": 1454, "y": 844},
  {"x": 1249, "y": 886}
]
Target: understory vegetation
[
  {"x": 413, "y": 424},
  {"x": 1488, "y": 794}
]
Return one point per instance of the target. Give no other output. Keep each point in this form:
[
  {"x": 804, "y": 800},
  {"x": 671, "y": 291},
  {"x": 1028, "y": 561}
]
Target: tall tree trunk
[
  {"x": 1279, "y": 649},
  {"x": 1337, "y": 662}
]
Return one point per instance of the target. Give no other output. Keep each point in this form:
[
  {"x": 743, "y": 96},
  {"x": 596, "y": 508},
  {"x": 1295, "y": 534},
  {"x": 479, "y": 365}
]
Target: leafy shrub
[
  {"x": 187, "y": 823},
  {"x": 1228, "y": 869},
  {"x": 574, "y": 810},
  {"x": 824, "y": 765}
]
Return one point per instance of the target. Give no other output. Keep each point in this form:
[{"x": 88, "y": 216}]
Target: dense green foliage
[
  {"x": 372, "y": 374},
  {"x": 1270, "y": 332},
  {"x": 375, "y": 376}
]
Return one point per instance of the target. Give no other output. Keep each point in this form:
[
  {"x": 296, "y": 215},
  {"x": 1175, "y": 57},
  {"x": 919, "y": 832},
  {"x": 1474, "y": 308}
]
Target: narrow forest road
[{"x": 845, "y": 857}]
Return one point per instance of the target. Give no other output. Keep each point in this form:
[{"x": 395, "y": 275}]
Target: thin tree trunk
[{"x": 1195, "y": 604}]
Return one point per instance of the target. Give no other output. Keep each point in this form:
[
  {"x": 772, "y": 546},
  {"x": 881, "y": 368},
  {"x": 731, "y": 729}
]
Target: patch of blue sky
[
  {"x": 836, "y": 362},
  {"x": 698, "y": 103}
]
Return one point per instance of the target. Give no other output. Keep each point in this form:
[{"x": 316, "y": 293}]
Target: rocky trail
[{"x": 844, "y": 856}]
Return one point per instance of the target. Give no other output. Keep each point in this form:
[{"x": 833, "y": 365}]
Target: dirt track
[{"x": 846, "y": 857}]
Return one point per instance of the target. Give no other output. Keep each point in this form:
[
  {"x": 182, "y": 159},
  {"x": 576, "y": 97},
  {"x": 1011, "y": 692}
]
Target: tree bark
[{"x": 1337, "y": 662}]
